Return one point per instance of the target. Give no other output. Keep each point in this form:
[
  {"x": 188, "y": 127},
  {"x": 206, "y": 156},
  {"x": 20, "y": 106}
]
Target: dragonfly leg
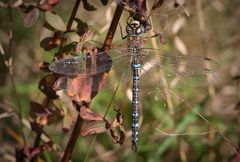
[
  {"x": 160, "y": 35},
  {"x": 123, "y": 37}
]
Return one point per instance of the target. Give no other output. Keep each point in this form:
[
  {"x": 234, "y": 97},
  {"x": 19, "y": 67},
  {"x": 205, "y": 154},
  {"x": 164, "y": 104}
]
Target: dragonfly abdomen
[{"x": 135, "y": 104}]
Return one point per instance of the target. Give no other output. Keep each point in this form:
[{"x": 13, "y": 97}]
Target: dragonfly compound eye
[
  {"x": 128, "y": 29},
  {"x": 140, "y": 29}
]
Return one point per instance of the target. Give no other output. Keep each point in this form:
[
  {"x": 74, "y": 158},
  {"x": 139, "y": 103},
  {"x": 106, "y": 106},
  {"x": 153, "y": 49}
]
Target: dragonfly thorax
[{"x": 134, "y": 28}]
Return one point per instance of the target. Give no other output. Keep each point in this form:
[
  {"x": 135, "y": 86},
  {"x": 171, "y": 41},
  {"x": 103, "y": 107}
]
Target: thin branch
[
  {"x": 109, "y": 37},
  {"x": 37, "y": 143},
  {"x": 73, "y": 15},
  {"x": 73, "y": 139}
]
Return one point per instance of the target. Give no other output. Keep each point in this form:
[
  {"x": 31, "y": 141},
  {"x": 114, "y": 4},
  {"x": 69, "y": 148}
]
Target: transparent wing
[
  {"x": 164, "y": 11},
  {"x": 82, "y": 65},
  {"x": 179, "y": 70},
  {"x": 121, "y": 63}
]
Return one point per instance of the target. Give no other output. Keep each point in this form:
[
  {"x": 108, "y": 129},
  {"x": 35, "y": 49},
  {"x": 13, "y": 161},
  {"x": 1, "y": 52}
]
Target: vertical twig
[
  {"x": 73, "y": 139},
  {"x": 73, "y": 14},
  {"x": 37, "y": 143},
  {"x": 109, "y": 37},
  {"x": 8, "y": 62}
]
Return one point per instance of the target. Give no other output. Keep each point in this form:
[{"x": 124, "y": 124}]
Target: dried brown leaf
[
  {"x": 79, "y": 88},
  {"x": 93, "y": 127},
  {"x": 46, "y": 85},
  {"x": 93, "y": 123},
  {"x": 38, "y": 110},
  {"x": 89, "y": 115}
]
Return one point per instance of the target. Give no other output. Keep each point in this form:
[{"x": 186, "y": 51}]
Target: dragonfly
[{"x": 141, "y": 60}]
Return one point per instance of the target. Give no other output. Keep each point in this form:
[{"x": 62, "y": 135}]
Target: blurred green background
[{"x": 211, "y": 30}]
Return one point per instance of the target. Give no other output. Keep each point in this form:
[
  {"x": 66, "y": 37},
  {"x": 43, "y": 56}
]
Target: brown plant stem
[
  {"x": 73, "y": 14},
  {"x": 73, "y": 139},
  {"x": 109, "y": 37},
  {"x": 37, "y": 143}
]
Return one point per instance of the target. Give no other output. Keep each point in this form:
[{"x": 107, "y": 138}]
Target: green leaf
[{"x": 55, "y": 21}]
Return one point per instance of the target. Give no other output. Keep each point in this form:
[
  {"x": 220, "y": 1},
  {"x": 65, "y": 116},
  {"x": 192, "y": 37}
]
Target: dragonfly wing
[
  {"x": 162, "y": 13},
  {"x": 182, "y": 70},
  {"x": 82, "y": 65},
  {"x": 121, "y": 63}
]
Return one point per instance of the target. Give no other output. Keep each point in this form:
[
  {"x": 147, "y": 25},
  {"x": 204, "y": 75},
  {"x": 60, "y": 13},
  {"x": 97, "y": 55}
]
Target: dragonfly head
[{"x": 134, "y": 28}]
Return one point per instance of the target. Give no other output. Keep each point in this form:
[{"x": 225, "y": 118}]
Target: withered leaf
[
  {"x": 80, "y": 88},
  {"x": 38, "y": 110},
  {"x": 93, "y": 127},
  {"x": 46, "y": 85},
  {"x": 31, "y": 17},
  {"x": 49, "y": 43},
  {"x": 93, "y": 123},
  {"x": 117, "y": 130},
  {"x": 89, "y": 115}
]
